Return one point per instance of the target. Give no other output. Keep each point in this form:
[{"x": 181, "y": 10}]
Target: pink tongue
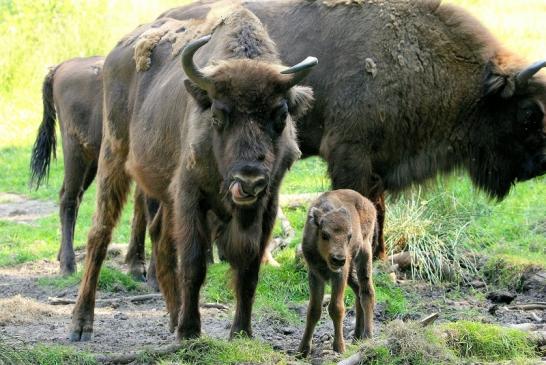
[{"x": 237, "y": 191}]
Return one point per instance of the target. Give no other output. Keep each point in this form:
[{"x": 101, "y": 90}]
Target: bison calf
[{"x": 337, "y": 245}]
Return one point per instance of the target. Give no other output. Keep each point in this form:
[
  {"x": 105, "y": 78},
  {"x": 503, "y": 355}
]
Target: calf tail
[{"x": 45, "y": 143}]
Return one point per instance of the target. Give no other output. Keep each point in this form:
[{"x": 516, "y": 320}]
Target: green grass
[
  {"x": 43, "y": 355},
  {"x": 488, "y": 342},
  {"x": 110, "y": 279},
  {"x": 206, "y": 351}
]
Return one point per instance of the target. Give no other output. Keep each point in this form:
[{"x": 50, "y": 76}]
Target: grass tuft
[
  {"x": 110, "y": 280},
  {"x": 43, "y": 355}
]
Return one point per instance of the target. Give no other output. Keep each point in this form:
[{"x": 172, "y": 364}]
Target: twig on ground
[
  {"x": 528, "y": 306},
  {"x": 132, "y": 356},
  {"x": 428, "y": 320},
  {"x": 132, "y": 299},
  {"x": 293, "y": 201},
  {"x": 278, "y": 243},
  {"x": 352, "y": 360}
]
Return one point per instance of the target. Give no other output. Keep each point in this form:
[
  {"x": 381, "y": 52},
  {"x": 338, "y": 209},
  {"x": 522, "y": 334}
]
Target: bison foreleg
[{"x": 246, "y": 280}]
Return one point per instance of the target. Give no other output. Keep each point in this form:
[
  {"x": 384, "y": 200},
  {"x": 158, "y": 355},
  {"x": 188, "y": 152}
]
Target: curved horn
[
  {"x": 190, "y": 68},
  {"x": 525, "y": 75},
  {"x": 300, "y": 71}
]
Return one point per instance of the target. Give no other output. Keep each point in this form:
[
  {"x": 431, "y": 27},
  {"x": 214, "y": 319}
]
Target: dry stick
[
  {"x": 293, "y": 201},
  {"x": 288, "y": 233},
  {"x": 528, "y": 307},
  {"x": 428, "y": 320},
  {"x": 133, "y": 299},
  {"x": 132, "y": 356},
  {"x": 352, "y": 360}
]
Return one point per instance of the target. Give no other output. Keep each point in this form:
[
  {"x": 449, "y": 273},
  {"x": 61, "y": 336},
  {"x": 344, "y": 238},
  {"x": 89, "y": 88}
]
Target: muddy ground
[{"x": 27, "y": 318}]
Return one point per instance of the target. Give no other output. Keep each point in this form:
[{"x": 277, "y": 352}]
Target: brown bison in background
[
  {"x": 72, "y": 92},
  {"x": 406, "y": 90},
  {"x": 218, "y": 138}
]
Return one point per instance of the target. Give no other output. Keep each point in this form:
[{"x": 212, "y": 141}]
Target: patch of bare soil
[
  {"x": 17, "y": 208},
  {"x": 123, "y": 327}
]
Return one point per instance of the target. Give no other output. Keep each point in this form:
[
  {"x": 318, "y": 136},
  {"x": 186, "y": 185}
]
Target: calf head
[
  {"x": 334, "y": 235},
  {"x": 510, "y": 145},
  {"x": 251, "y": 105}
]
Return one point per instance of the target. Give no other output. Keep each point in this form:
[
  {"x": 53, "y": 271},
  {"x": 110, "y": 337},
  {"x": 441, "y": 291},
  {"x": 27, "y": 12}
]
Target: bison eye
[
  {"x": 220, "y": 114},
  {"x": 530, "y": 115},
  {"x": 279, "y": 117},
  {"x": 325, "y": 236}
]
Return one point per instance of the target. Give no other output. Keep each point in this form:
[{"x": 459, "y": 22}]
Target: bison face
[
  {"x": 334, "y": 235},
  {"x": 510, "y": 143},
  {"x": 248, "y": 104}
]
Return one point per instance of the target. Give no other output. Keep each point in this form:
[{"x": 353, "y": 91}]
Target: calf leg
[
  {"x": 314, "y": 310},
  {"x": 75, "y": 171},
  {"x": 367, "y": 292},
  {"x": 135, "y": 257},
  {"x": 336, "y": 309},
  {"x": 379, "y": 248},
  {"x": 359, "y": 320},
  {"x": 113, "y": 185}
]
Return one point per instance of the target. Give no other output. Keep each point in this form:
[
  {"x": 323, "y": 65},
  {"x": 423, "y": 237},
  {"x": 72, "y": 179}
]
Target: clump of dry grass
[{"x": 20, "y": 310}]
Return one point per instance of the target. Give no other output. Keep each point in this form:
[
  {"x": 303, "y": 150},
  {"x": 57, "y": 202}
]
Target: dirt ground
[{"x": 27, "y": 318}]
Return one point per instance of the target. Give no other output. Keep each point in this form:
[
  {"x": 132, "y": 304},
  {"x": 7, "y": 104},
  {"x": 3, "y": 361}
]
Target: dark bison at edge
[
  {"x": 405, "y": 90},
  {"x": 219, "y": 138},
  {"x": 72, "y": 93}
]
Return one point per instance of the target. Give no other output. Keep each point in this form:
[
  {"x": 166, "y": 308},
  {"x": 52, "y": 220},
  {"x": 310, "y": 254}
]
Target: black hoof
[{"x": 83, "y": 336}]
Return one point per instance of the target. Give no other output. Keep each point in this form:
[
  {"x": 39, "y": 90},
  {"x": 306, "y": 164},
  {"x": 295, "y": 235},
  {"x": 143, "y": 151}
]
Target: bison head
[
  {"x": 250, "y": 105},
  {"x": 334, "y": 235},
  {"x": 510, "y": 145}
]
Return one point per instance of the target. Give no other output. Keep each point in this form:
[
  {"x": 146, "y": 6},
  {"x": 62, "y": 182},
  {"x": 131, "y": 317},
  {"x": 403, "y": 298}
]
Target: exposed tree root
[{"x": 132, "y": 356}]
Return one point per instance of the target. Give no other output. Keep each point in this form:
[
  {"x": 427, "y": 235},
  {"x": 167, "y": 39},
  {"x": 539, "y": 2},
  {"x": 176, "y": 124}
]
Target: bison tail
[{"x": 45, "y": 143}]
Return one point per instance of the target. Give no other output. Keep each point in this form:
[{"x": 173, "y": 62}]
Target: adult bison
[
  {"x": 406, "y": 90},
  {"x": 218, "y": 138},
  {"x": 72, "y": 91}
]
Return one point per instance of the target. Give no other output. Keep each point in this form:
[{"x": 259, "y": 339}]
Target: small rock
[
  {"x": 121, "y": 316},
  {"x": 501, "y": 297},
  {"x": 325, "y": 337},
  {"x": 62, "y": 294},
  {"x": 493, "y": 309},
  {"x": 288, "y": 330},
  {"x": 477, "y": 284},
  {"x": 114, "y": 305}
]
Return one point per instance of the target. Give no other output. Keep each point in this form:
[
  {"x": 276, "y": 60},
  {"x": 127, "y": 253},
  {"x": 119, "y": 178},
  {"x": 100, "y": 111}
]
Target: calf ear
[
  {"x": 198, "y": 94},
  {"x": 300, "y": 100},
  {"x": 315, "y": 214}
]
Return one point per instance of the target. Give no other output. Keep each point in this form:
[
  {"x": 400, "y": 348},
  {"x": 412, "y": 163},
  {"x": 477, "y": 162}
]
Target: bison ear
[
  {"x": 198, "y": 94},
  {"x": 300, "y": 100},
  {"x": 499, "y": 84},
  {"x": 315, "y": 214}
]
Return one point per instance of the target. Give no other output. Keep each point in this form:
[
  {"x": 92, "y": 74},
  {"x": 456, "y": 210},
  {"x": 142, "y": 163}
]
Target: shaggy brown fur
[
  {"x": 442, "y": 94},
  {"x": 221, "y": 145},
  {"x": 73, "y": 90},
  {"x": 337, "y": 246}
]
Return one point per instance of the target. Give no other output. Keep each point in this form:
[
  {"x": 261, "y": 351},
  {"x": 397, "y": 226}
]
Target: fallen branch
[
  {"x": 352, "y": 360},
  {"x": 528, "y": 306},
  {"x": 402, "y": 259},
  {"x": 133, "y": 299},
  {"x": 133, "y": 356},
  {"x": 428, "y": 320},
  {"x": 278, "y": 243}
]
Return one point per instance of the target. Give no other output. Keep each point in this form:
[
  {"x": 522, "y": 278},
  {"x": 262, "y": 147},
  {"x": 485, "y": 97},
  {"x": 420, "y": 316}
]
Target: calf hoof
[
  {"x": 303, "y": 351},
  {"x": 339, "y": 347}
]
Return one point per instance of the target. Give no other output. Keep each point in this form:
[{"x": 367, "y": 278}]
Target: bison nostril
[
  {"x": 259, "y": 185},
  {"x": 337, "y": 260}
]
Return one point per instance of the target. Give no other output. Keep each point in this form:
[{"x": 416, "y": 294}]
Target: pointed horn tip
[
  {"x": 197, "y": 43},
  {"x": 306, "y": 63}
]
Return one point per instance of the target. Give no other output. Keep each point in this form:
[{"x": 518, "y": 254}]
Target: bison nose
[
  {"x": 337, "y": 260},
  {"x": 252, "y": 185}
]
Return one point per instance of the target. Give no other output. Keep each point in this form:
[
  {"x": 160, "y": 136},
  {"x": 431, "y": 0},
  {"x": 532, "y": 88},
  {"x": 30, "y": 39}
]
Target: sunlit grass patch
[
  {"x": 488, "y": 342},
  {"x": 43, "y": 355},
  {"x": 110, "y": 280}
]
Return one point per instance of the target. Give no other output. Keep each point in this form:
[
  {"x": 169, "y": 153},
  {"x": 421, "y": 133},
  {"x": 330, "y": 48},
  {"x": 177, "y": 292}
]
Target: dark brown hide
[
  {"x": 220, "y": 139},
  {"x": 73, "y": 92},
  {"x": 337, "y": 246},
  {"x": 406, "y": 90}
]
